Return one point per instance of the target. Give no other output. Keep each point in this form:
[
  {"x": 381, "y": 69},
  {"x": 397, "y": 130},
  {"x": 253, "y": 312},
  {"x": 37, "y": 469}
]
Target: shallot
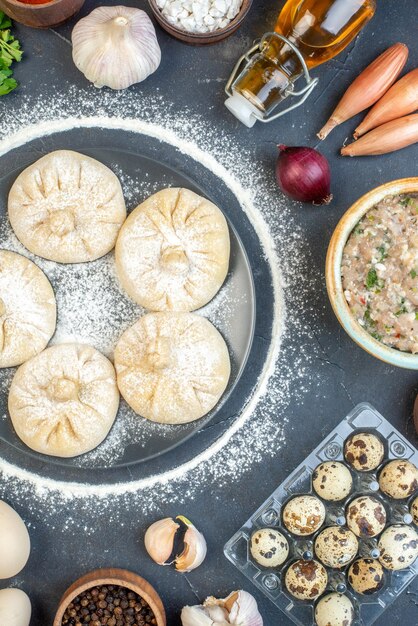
[
  {"x": 400, "y": 100},
  {"x": 304, "y": 174},
  {"x": 368, "y": 87},
  {"x": 389, "y": 137}
]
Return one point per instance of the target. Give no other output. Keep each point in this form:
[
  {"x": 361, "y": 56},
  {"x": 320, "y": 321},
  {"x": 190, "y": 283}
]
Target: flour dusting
[{"x": 259, "y": 430}]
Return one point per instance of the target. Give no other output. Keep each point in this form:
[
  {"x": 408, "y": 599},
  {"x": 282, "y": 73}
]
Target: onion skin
[
  {"x": 400, "y": 100},
  {"x": 389, "y": 137},
  {"x": 368, "y": 87},
  {"x": 303, "y": 174}
]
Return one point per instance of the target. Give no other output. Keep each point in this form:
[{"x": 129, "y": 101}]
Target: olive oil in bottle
[{"x": 318, "y": 29}]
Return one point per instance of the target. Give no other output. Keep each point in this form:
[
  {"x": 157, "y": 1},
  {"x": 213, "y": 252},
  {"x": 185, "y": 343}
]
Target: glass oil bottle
[{"x": 307, "y": 33}]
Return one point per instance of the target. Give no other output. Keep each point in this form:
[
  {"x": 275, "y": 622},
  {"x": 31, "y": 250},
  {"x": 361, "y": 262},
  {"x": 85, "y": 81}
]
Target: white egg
[
  {"x": 15, "y": 608},
  {"x": 14, "y": 542}
]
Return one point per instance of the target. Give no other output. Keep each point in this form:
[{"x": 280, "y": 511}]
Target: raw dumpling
[
  {"x": 172, "y": 367},
  {"x": 63, "y": 402},
  {"x": 67, "y": 207},
  {"x": 172, "y": 253},
  {"x": 28, "y": 310}
]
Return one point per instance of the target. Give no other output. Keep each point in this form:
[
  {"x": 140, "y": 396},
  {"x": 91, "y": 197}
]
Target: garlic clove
[
  {"x": 195, "y": 548},
  {"x": 159, "y": 540},
  {"x": 116, "y": 46},
  {"x": 198, "y": 616},
  {"x": 243, "y": 609}
]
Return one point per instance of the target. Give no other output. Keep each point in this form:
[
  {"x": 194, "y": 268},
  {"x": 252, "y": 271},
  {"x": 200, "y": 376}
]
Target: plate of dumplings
[{"x": 178, "y": 262}]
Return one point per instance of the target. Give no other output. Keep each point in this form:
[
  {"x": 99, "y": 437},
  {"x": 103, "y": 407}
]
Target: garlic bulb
[
  {"x": 116, "y": 46},
  {"x": 176, "y": 541},
  {"x": 239, "y": 609}
]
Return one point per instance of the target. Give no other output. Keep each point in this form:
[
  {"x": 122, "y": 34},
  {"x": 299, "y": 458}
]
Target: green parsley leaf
[
  {"x": 371, "y": 279},
  {"x": 413, "y": 273},
  {"x": 9, "y": 52}
]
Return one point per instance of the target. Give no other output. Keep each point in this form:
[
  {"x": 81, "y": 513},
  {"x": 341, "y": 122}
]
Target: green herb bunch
[{"x": 9, "y": 51}]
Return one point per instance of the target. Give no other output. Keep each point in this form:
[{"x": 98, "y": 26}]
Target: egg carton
[{"x": 365, "y": 418}]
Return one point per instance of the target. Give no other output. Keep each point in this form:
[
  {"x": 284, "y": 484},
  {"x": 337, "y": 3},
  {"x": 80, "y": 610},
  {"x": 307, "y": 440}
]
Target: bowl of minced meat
[{"x": 372, "y": 272}]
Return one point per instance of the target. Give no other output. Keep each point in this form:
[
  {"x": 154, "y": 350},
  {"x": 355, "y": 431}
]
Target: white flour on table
[{"x": 258, "y": 431}]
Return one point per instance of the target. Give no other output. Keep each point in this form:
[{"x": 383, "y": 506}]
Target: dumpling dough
[
  {"x": 172, "y": 368},
  {"x": 172, "y": 253},
  {"x": 28, "y": 310},
  {"x": 64, "y": 401},
  {"x": 67, "y": 207}
]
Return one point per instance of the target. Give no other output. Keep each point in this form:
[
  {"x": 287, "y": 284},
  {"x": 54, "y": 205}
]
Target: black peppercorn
[{"x": 108, "y": 606}]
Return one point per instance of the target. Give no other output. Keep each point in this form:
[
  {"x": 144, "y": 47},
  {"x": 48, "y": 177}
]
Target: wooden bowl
[
  {"x": 44, "y": 15},
  {"x": 117, "y": 577},
  {"x": 201, "y": 38},
  {"x": 333, "y": 273}
]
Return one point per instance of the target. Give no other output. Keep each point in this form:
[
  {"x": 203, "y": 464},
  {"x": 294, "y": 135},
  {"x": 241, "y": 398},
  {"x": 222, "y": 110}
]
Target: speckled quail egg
[
  {"x": 303, "y": 515},
  {"x": 366, "y": 576},
  {"x": 306, "y": 580},
  {"x": 332, "y": 481},
  {"x": 269, "y": 547},
  {"x": 398, "y": 546},
  {"x": 336, "y": 546},
  {"x": 334, "y": 609},
  {"x": 399, "y": 479},
  {"x": 364, "y": 451},
  {"x": 366, "y": 516},
  {"x": 414, "y": 510}
]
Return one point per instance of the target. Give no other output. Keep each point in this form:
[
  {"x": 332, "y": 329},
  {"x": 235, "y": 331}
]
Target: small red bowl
[{"x": 41, "y": 14}]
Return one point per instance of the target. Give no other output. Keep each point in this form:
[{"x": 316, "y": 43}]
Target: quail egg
[
  {"x": 268, "y": 547},
  {"x": 332, "y": 481},
  {"x": 303, "y": 515},
  {"x": 414, "y": 510},
  {"x": 399, "y": 479},
  {"x": 366, "y": 516},
  {"x": 366, "y": 576},
  {"x": 398, "y": 546},
  {"x": 336, "y": 546},
  {"x": 364, "y": 451},
  {"x": 334, "y": 609},
  {"x": 306, "y": 580}
]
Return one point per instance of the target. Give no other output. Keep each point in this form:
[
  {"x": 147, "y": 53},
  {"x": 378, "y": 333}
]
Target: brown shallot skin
[
  {"x": 400, "y": 100},
  {"x": 389, "y": 137},
  {"x": 368, "y": 87}
]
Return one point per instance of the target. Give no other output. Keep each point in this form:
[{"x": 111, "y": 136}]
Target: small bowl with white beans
[
  {"x": 200, "y": 21},
  {"x": 372, "y": 272}
]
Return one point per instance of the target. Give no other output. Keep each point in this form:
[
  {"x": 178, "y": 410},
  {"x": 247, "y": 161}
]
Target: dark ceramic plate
[{"x": 143, "y": 158}]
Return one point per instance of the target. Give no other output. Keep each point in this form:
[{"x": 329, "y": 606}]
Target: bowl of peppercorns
[{"x": 110, "y": 597}]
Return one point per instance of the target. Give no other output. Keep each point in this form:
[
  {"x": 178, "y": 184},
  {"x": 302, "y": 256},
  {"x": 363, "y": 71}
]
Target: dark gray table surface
[{"x": 346, "y": 374}]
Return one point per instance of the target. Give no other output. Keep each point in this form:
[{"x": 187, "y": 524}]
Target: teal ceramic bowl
[{"x": 333, "y": 274}]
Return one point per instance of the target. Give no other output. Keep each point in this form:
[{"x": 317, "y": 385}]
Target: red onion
[{"x": 304, "y": 174}]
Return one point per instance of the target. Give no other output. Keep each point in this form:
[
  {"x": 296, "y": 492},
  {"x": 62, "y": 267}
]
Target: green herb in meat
[
  {"x": 367, "y": 318},
  {"x": 383, "y": 254},
  {"x": 402, "y": 309},
  {"x": 371, "y": 279},
  {"x": 413, "y": 273},
  {"x": 9, "y": 51}
]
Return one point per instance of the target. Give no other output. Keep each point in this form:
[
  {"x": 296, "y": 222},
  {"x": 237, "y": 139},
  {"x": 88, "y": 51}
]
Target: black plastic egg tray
[{"x": 363, "y": 418}]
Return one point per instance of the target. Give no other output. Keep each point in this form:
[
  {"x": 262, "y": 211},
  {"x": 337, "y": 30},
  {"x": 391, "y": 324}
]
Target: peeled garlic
[
  {"x": 163, "y": 537},
  {"x": 239, "y": 608},
  {"x": 116, "y": 46}
]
